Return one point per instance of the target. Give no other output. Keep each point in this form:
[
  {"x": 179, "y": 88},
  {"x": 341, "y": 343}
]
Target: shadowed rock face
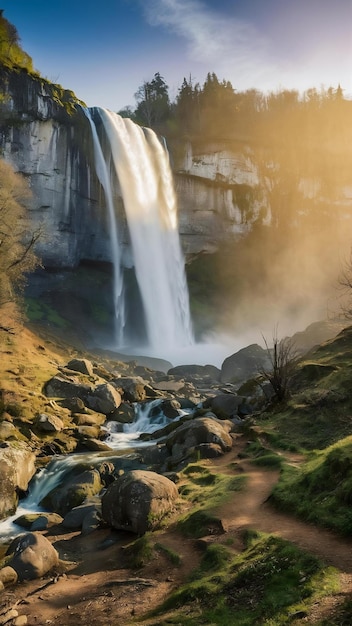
[
  {"x": 16, "y": 469},
  {"x": 138, "y": 501}
]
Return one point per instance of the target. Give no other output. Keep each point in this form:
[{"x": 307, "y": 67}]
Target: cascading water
[
  {"x": 102, "y": 172},
  {"x": 144, "y": 176}
]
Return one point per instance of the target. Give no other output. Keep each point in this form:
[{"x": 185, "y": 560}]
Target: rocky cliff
[
  {"x": 288, "y": 208},
  {"x": 223, "y": 190},
  {"x": 45, "y": 135}
]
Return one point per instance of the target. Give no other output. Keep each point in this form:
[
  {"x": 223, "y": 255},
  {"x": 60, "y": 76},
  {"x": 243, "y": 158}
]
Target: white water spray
[{"x": 145, "y": 179}]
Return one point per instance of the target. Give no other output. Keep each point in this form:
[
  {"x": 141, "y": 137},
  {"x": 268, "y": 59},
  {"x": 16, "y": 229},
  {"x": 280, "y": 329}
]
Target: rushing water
[
  {"x": 142, "y": 168},
  {"x": 122, "y": 438},
  {"x": 102, "y": 172}
]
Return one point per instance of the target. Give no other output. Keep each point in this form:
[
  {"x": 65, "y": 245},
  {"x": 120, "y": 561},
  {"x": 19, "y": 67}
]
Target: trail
[
  {"x": 250, "y": 509},
  {"x": 100, "y": 588}
]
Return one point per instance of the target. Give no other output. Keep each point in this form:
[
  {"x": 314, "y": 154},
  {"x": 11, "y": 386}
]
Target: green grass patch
[
  {"x": 260, "y": 455},
  {"x": 207, "y": 491},
  {"x": 269, "y": 583},
  {"x": 320, "y": 491},
  {"x": 171, "y": 555},
  {"x": 139, "y": 552}
]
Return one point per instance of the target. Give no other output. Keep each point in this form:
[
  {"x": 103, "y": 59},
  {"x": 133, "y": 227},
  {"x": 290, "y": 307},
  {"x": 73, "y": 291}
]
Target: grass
[
  {"x": 171, "y": 555},
  {"x": 139, "y": 552},
  {"x": 320, "y": 491},
  {"x": 206, "y": 491},
  {"x": 269, "y": 583},
  {"x": 263, "y": 457}
]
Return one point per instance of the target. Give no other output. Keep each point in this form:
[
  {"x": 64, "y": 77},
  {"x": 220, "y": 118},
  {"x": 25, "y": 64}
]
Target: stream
[{"x": 124, "y": 442}]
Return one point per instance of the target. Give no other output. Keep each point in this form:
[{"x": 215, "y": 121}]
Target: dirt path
[{"x": 98, "y": 587}]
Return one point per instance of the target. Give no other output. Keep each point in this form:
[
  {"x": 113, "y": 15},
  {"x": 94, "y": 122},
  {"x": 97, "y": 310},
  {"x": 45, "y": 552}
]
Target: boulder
[
  {"x": 38, "y": 521},
  {"x": 201, "y": 430},
  {"x": 224, "y": 405},
  {"x": 131, "y": 388},
  {"x": 63, "y": 386},
  {"x": 75, "y": 405},
  {"x": 138, "y": 501},
  {"x": 8, "y": 576},
  {"x": 244, "y": 364},
  {"x": 125, "y": 414},
  {"x": 8, "y": 431},
  {"x": 75, "y": 490},
  {"x": 190, "y": 372},
  {"x": 32, "y": 556},
  {"x": 81, "y": 365},
  {"x": 17, "y": 467},
  {"x": 89, "y": 419},
  {"x": 48, "y": 423},
  {"x": 165, "y": 408},
  {"x": 75, "y": 518},
  {"x": 104, "y": 399}
]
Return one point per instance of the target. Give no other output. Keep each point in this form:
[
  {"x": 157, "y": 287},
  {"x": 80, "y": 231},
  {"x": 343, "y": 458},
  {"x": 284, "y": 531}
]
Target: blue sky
[{"x": 105, "y": 51}]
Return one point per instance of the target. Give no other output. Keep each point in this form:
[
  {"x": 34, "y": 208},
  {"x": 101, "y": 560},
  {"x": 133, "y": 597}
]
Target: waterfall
[
  {"x": 102, "y": 172},
  {"x": 143, "y": 172}
]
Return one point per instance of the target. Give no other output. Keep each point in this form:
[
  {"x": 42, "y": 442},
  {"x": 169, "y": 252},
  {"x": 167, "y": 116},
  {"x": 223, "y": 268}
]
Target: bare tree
[
  {"x": 345, "y": 282},
  {"x": 283, "y": 359}
]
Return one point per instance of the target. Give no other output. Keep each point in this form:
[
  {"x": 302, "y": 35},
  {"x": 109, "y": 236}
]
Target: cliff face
[
  {"x": 45, "y": 135},
  {"x": 220, "y": 196},
  {"x": 223, "y": 192}
]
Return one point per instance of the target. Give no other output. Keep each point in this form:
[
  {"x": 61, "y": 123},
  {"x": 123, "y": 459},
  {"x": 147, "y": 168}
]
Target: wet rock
[
  {"x": 125, "y": 414},
  {"x": 73, "y": 493},
  {"x": 95, "y": 445},
  {"x": 38, "y": 521},
  {"x": 138, "y": 501},
  {"x": 104, "y": 399}
]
